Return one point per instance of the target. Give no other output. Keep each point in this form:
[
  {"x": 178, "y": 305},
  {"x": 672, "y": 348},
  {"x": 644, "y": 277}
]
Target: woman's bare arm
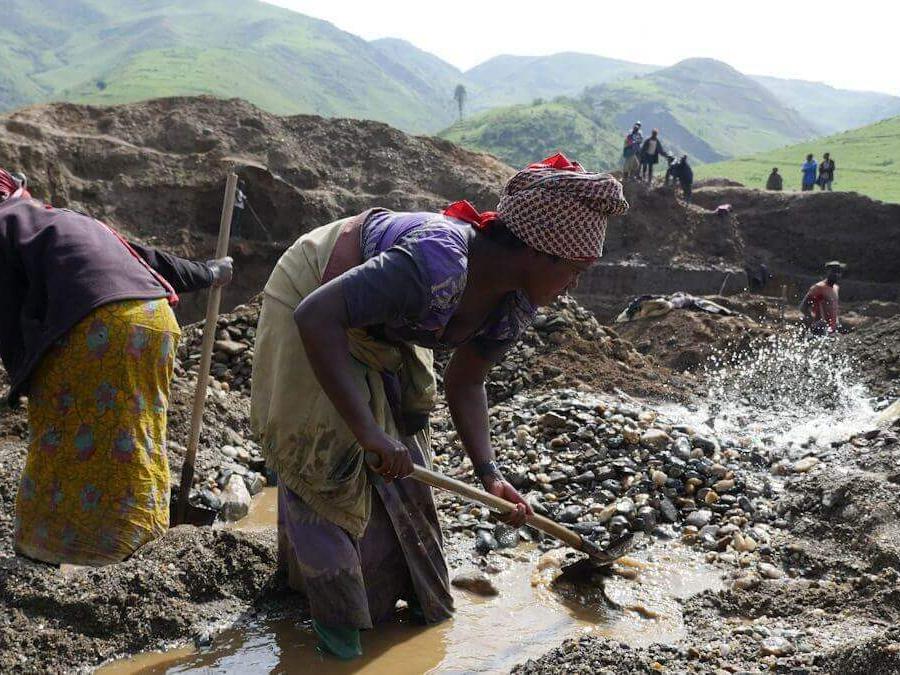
[
  {"x": 467, "y": 399},
  {"x": 322, "y": 321}
]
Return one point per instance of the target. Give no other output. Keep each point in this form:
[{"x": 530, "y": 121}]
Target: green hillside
[
  {"x": 523, "y": 134},
  {"x": 830, "y": 109},
  {"x": 108, "y": 51},
  {"x": 867, "y": 160},
  {"x": 506, "y": 80},
  {"x": 702, "y": 107},
  {"x": 440, "y": 77},
  {"x": 707, "y": 107}
]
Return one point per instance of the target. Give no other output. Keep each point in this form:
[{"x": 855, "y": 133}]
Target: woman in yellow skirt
[{"x": 88, "y": 334}]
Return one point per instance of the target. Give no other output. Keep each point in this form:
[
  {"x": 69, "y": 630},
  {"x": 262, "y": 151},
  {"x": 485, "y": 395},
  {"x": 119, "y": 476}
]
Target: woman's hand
[
  {"x": 500, "y": 488},
  {"x": 393, "y": 455}
]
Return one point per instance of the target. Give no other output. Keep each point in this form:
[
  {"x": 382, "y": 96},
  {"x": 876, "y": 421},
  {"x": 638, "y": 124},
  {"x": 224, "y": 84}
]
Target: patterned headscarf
[{"x": 555, "y": 207}]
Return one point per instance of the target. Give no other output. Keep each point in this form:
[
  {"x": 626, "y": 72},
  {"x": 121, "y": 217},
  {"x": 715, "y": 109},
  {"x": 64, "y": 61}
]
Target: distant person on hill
[
  {"x": 650, "y": 152},
  {"x": 820, "y": 305},
  {"x": 809, "y": 173},
  {"x": 826, "y": 172},
  {"x": 633, "y": 141},
  {"x": 681, "y": 171},
  {"x": 774, "y": 181}
]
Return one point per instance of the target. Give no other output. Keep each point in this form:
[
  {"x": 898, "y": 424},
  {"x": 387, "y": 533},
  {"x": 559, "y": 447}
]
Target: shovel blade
[{"x": 200, "y": 516}]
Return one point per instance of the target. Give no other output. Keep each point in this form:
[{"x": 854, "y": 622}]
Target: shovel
[
  {"x": 597, "y": 558},
  {"x": 181, "y": 510}
]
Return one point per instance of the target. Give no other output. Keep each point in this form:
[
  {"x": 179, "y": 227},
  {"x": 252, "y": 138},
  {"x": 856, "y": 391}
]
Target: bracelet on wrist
[{"x": 485, "y": 470}]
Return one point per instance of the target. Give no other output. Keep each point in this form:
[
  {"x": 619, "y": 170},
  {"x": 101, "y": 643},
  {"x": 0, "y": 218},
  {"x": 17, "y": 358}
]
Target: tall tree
[{"x": 459, "y": 95}]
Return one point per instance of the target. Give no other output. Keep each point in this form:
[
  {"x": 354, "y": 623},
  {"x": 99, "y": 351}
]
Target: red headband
[{"x": 463, "y": 210}]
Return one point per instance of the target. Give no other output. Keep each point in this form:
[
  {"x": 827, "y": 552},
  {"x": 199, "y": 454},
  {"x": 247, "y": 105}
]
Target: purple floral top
[{"x": 412, "y": 281}]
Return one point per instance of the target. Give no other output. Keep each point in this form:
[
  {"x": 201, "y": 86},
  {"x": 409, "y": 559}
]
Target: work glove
[{"x": 222, "y": 270}]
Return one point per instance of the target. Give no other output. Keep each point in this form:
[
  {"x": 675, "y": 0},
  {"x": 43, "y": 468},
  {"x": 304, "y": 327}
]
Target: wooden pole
[{"x": 209, "y": 337}]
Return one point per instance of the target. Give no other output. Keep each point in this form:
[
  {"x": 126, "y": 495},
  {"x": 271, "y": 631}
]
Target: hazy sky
[{"x": 848, "y": 44}]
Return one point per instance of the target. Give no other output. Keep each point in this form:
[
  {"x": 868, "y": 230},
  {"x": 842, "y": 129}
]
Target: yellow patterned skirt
[{"x": 96, "y": 482}]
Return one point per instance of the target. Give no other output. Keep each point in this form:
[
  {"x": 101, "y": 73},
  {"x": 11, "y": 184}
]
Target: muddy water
[{"x": 486, "y": 634}]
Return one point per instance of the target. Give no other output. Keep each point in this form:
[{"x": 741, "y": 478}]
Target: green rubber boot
[
  {"x": 340, "y": 642},
  {"x": 416, "y": 613}
]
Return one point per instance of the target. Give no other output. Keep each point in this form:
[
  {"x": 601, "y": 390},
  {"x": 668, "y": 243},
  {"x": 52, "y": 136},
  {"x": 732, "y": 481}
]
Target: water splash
[{"x": 789, "y": 388}]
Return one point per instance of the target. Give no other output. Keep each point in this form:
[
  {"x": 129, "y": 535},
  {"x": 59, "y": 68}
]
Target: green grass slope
[
  {"x": 707, "y": 107},
  {"x": 526, "y": 133},
  {"x": 830, "y": 109},
  {"x": 439, "y": 76},
  {"x": 867, "y": 160},
  {"x": 506, "y": 80},
  {"x": 108, "y": 51}
]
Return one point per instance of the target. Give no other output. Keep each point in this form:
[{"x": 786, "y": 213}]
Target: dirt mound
[
  {"x": 156, "y": 170},
  {"x": 684, "y": 339},
  {"x": 796, "y": 233},
  {"x": 717, "y": 182},
  {"x": 877, "y": 349},
  {"x": 174, "y": 587},
  {"x": 659, "y": 229}
]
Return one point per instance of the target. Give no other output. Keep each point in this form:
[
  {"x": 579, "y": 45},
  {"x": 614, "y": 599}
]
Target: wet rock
[
  {"x": 210, "y": 499},
  {"x": 743, "y": 543},
  {"x": 682, "y": 448},
  {"x": 235, "y": 499},
  {"x": 485, "y": 542},
  {"x": 698, "y": 518},
  {"x": 571, "y": 514},
  {"x": 646, "y": 518},
  {"x": 668, "y": 511},
  {"x": 506, "y": 536},
  {"x": 775, "y": 645},
  {"x": 708, "y": 445},
  {"x": 552, "y": 420},
  {"x": 625, "y": 507},
  {"x": 476, "y": 582},
  {"x": 618, "y": 524},
  {"x": 255, "y": 483},
  {"x": 631, "y": 436},
  {"x": 655, "y": 438},
  {"x": 230, "y": 347},
  {"x": 769, "y": 571},
  {"x": 805, "y": 464},
  {"x": 723, "y": 485}
]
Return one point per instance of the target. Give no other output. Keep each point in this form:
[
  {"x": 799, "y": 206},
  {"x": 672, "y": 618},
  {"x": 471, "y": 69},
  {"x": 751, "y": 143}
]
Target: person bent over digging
[
  {"x": 343, "y": 366},
  {"x": 87, "y": 332}
]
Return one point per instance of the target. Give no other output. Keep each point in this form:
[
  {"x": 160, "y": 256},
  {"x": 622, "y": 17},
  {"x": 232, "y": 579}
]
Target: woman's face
[{"x": 550, "y": 277}]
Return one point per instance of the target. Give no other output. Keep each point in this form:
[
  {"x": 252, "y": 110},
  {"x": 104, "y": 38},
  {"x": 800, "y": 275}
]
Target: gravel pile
[{"x": 607, "y": 468}]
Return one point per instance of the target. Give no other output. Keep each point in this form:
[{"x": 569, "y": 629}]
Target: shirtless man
[{"x": 820, "y": 306}]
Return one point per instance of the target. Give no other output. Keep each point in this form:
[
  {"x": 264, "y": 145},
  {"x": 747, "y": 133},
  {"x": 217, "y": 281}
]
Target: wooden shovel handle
[
  {"x": 206, "y": 349},
  {"x": 498, "y": 504}
]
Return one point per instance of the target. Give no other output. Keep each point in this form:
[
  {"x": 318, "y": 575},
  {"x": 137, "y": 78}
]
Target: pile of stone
[
  {"x": 608, "y": 468},
  {"x": 554, "y": 328},
  {"x": 232, "y": 362}
]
